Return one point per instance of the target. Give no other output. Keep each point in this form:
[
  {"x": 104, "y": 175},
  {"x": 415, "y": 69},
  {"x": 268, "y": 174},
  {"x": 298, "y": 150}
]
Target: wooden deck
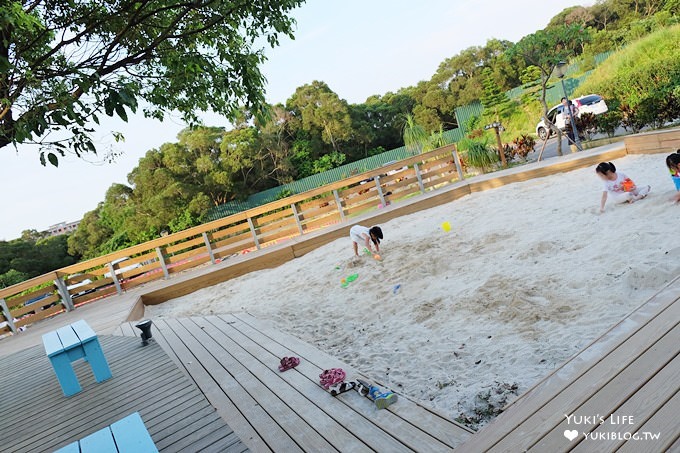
[
  {"x": 633, "y": 370},
  {"x": 234, "y": 359},
  {"x": 102, "y": 315},
  {"x": 36, "y": 417}
]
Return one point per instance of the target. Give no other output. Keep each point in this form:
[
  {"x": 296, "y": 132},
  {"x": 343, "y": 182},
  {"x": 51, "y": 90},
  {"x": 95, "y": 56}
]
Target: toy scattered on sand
[
  {"x": 446, "y": 226},
  {"x": 367, "y": 252},
  {"x": 396, "y": 289},
  {"x": 333, "y": 380},
  {"x": 347, "y": 280},
  {"x": 377, "y": 257}
]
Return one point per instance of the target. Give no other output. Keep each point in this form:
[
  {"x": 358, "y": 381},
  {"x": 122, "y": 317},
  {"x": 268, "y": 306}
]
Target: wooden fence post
[
  {"x": 296, "y": 214},
  {"x": 208, "y": 246},
  {"x": 114, "y": 277},
  {"x": 459, "y": 167},
  {"x": 380, "y": 192},
  {"x": 161, "y": 259},
  {"x": 64, "y": 294},
  {"x": 338, "y": 204},
  {"x": 420, "y": 178},
  {"x": 8, "y": 316},
  {"x": 253, "y": 232}
]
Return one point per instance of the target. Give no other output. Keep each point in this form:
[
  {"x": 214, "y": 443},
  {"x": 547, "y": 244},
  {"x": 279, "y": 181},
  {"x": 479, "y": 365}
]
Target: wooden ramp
[
  {"x": 145, "y": 380},
  {"x": 632, "y": 371},
  {"x": 234, "y": 360}
]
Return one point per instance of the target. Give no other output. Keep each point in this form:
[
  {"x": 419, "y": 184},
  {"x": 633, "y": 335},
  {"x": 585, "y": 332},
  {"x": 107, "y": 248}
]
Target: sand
[{"x": 529, "y": 274}]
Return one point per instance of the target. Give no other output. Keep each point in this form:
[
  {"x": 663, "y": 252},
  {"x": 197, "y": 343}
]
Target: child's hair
[
  {"x": 673, "y": 160},
  {"x": 376, "y": 234},
  {"x": 604, "y": 167}
]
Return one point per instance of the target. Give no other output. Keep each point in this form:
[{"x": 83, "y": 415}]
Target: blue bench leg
[
  {"x": 65, "y": 375},
  {"x": 95, "y": 356}
]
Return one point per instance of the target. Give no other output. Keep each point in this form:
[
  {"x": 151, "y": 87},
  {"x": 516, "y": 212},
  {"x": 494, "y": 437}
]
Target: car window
[
  {"x": 553, "y": 113},
  {"x": 591, "y": 99}
]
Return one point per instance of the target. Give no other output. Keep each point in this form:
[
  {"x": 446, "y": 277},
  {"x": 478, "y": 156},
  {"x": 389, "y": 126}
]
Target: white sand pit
[{"x": 528, "y": 275}]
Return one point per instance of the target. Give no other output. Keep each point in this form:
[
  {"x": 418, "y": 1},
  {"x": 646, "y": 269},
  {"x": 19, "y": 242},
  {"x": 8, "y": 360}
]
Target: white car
[
  {"x": 120, "y": 270},
  {"x": 70, "y": 288},
  {"x": 591, "y": 103}
]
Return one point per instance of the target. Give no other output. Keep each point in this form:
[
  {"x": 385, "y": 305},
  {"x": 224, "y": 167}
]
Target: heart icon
[{"x": 571, "y": 435}]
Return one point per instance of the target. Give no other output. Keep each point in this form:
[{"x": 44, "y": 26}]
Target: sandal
[
  {"x": 288, "y": 363},
  {"x": 342, "y": 387},
  {"x": 331, "y": 377}
]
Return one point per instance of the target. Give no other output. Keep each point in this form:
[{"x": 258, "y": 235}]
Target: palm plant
[
  {"x": 415, "y": 137},
  {"x": 436, "y": 140},
  {"x": 479, "y": 153}
]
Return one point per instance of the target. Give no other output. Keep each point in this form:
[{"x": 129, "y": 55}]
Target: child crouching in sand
[
  {"x": 362, "y": 235},
  {"x": 673, "y": 164},
  {"x": 619, "y": 186}
]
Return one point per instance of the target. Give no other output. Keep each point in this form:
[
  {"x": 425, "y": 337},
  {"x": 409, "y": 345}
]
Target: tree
[
  {"x": 64, "y": 63},
  {"x": 544, "y": 49},
  {"x": 492, "y": 97},
  {"x": 275, "y": 142},
  {"x": 24, "y": 258},
  {"x": 322, "y": 111}
]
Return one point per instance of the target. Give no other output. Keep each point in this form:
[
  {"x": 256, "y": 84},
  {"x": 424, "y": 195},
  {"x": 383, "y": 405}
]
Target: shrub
[
  {"x": 607, "y": 123},
  {"x": 644, "y": 76},
  {"x": 524, "y": 144},
  {"x": 586, "y": 125},
  {"x": 479, "y": 154}
]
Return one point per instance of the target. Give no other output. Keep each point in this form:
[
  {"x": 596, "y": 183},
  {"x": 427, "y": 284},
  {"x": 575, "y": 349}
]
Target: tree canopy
[
  {"x": 32, "y": 255},
  {"x": 64, "y": 63},
  {"x": 174, "y": 186}
]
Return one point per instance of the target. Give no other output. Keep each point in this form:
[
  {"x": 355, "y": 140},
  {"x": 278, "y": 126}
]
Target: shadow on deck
[{"x": 234, "y": 359}]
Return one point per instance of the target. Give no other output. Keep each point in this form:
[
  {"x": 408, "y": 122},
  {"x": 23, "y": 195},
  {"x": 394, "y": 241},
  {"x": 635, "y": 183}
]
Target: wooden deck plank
[
  {"x": 47, "y": 383},
  {"x": 665, "y": 423},
  {"x": 301, "y": 392},
  {"x": 643, "y": 404},
  {"x": 84, "y": 416},
  {"x": 335, "y": 408},
  {"x": 349, "y": 409},
  {"x": 593, "y": 351},
  {"x": 410, "y": 423},
  {"x": 611, "y": 397},
  {"x": 619, "y": 345},
  {"x": 219, "y": 363},
  {"x": 192, "y": 431},
  {"x": 174, "y": 425},
  {"x": 216, "y": 394},
  {"x": 128, "y": 330},
  {"x": 582, "y": 388},
  {"x": 229, "y": 444},
  {"x": 144, "y": 380}
]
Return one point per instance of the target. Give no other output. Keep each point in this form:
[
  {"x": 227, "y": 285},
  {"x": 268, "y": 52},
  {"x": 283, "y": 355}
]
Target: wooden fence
[{"x": 67, "y": 288}]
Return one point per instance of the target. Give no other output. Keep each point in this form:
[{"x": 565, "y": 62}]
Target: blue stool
[
  {"x": 70, "y": 343},
  {"x": 128, "y": 435}
]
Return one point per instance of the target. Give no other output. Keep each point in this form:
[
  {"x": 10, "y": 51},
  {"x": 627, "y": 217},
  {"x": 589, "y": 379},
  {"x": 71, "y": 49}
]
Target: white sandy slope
[{"x": 529, "y": 274}]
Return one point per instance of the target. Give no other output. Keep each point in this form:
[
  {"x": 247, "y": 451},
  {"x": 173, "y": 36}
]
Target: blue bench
[
  {"x": 70, "y": 343},
  {"x": 128, "y": 435}
]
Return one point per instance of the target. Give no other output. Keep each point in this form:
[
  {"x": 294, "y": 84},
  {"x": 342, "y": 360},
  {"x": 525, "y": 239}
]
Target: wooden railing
[{"x": 67, "y": 288}]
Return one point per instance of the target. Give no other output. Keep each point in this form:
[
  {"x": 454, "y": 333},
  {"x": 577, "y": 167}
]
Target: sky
[{"x": 358, "y": 47}]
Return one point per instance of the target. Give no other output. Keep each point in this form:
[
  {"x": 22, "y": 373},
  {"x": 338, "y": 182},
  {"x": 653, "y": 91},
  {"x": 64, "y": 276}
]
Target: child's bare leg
[{"x": 640, "y": 193}]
